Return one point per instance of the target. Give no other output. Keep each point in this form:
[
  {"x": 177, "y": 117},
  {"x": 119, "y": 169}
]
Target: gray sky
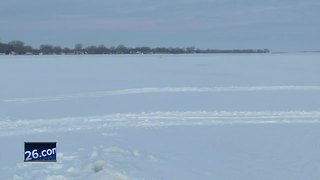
[{"x": 223, "y": 24}]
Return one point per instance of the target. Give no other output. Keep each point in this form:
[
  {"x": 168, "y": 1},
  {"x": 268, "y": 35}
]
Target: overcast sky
[{"x": 222, "y": 24}]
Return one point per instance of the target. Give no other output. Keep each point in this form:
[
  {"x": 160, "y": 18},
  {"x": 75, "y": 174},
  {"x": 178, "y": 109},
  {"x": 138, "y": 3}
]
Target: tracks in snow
[
  {"x": 100, "y": 94},
  {"x": 156, "y": 119}
]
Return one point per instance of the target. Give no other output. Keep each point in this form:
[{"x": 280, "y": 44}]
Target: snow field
[{"x": 239, "y": 116}]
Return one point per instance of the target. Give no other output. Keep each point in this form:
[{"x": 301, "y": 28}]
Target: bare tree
[
  {"x": 46, "y": 49},
  {"x": 17, "y": 47},
  {"x": 78, "y": 48}
]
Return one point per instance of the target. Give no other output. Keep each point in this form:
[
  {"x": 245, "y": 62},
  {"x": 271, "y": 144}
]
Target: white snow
[
  {"x": 161, "y": 90},
  {"x": 156, "y": 119},
  {"x": 239, "y": 116}
]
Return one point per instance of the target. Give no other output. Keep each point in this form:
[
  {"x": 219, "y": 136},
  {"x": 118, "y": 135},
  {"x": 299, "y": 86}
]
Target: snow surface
[{"x": 238, "y": 116}]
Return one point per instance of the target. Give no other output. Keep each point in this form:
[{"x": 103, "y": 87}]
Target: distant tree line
[{"x": 19, "y": 48}]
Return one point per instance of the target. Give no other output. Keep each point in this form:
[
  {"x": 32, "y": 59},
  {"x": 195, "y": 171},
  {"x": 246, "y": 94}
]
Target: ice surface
[{"x": 239, "y": 116}]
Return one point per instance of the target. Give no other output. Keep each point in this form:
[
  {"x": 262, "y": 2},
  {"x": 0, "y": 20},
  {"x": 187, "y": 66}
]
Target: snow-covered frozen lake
[{"x": 235, "y": 116}]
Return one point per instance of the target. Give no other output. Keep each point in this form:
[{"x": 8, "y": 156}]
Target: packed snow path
[
  {"x": 161, "y": 90},
  {"x": 154, "y": 119}
]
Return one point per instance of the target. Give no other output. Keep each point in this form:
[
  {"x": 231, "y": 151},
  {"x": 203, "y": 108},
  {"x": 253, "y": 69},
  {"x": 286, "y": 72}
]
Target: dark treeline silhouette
[{"x": 19, "y": 48}]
